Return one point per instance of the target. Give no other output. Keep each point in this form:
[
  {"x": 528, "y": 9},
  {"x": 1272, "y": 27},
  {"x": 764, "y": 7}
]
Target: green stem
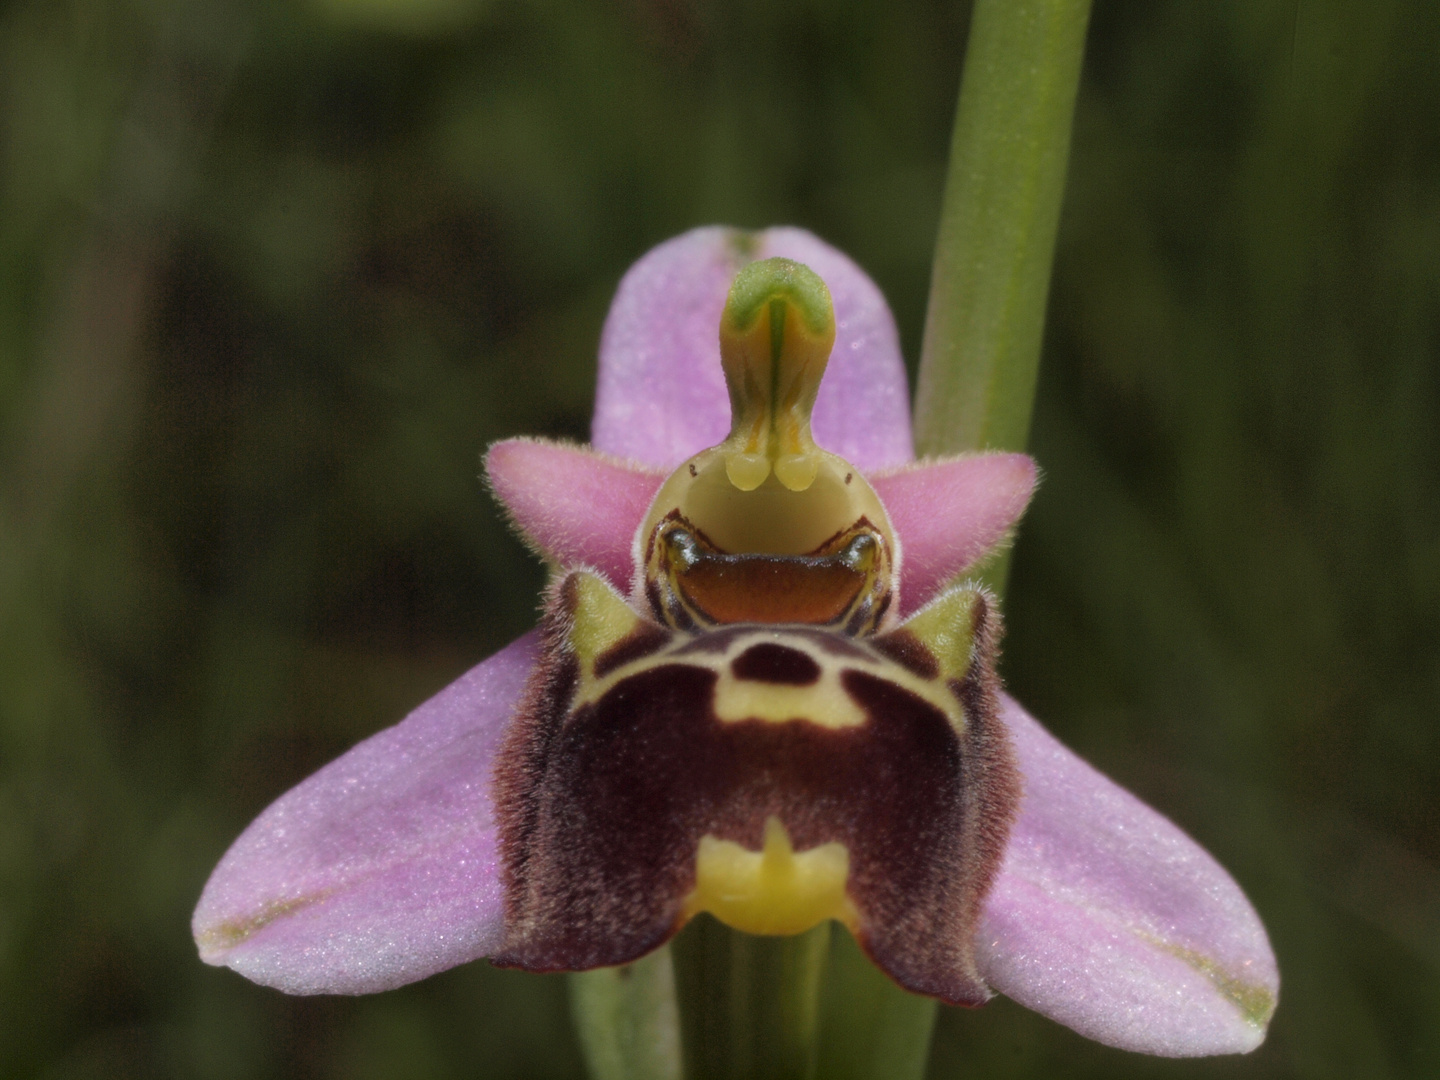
[
  {"x": 872, "y": 1030},
  {"x": 993, "y": 256},
  {"x": 626, "y": 1019},
  {"x": 749, "y": 1006}
]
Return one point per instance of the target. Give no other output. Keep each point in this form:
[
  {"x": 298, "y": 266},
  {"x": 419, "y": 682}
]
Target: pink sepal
[
  {"x": 382, "y": 867},
  {"x": 1107, "y": 918}
]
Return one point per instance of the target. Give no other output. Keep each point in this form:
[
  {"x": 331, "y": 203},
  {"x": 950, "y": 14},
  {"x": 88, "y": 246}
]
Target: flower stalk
[
  {"x": 627, "y": 1021},
  {"x": 980, "y": 354},
  {"x": 996, "y": 243},
  {"x": 761, "y": 1019}
]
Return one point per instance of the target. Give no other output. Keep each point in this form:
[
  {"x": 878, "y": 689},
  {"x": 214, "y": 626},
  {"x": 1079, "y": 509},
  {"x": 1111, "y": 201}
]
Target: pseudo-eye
[{"x": 767, "y": 743}]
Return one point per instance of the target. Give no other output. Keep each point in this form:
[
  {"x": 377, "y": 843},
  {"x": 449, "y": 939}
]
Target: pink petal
[
  {"x": 581, "y": 508},
  {"x": 951, "y": 512},
  {"x": 576, "y": 506},
  {"x": 1110, "y": 920},
  {"x": 381, "y": 868},
  {"x": 661, "y": 395}
]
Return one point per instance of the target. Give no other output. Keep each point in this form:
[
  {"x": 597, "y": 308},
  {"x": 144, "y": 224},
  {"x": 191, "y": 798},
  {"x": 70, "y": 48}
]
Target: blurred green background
[{"x": 273, "y": 274}]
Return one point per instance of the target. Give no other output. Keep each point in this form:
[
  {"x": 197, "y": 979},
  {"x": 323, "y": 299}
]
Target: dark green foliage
[{"x": 272, "y": 276}]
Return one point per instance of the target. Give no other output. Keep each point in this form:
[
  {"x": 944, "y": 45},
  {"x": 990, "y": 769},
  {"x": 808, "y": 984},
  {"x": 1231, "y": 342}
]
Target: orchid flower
[{"x": 405, "y": 856}]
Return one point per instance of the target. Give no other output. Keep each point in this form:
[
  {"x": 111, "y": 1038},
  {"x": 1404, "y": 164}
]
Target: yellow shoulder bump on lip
[
  {"x": 774, "y": 891},
  {"x": 601, "y": 617},
  {"x": 946, "y": 626}
]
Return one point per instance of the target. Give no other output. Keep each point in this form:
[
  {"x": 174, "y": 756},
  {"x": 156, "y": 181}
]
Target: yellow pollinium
[
  {"x": 775, "y": 338},
  {"x": 774, "y": 891}
]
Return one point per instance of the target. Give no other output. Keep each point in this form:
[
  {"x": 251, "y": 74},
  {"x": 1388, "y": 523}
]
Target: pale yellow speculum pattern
[
  {"x": 776, "y": 890},
  {"x": 824, "y": 702}
]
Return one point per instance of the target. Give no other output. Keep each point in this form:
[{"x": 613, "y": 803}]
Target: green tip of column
[{"x": 779, "y": 279}]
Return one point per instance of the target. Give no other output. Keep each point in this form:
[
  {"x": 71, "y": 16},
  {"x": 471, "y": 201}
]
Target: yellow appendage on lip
[{"x": 774, "y": 891}]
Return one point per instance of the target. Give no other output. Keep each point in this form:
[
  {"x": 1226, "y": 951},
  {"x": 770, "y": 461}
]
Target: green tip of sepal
[{"x": 775, "y": 338}]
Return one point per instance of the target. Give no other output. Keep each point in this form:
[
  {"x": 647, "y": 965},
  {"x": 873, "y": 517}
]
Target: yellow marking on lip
[
  {"x": 824, "y": 702},
  {"x": 773, "y": 891}
]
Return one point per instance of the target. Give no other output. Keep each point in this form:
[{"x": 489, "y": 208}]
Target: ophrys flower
[{"x": 386, "y": 865}]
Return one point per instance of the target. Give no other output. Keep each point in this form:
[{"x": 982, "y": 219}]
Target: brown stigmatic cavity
[{"x": 844, "y": 583}]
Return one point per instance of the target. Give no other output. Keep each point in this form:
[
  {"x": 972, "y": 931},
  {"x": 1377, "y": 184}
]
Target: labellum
[{"x": 753, "y": 732}]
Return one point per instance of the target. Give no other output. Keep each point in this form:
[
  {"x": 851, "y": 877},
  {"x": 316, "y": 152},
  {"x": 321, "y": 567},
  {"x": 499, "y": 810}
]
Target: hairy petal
[
  {"x": 575, "y": 506},
  {"x": 578, "y": 507},
  {"x": 382, "y": 867},
  {"x": 1109, "y": 919},
  {"x": 661, "y": 395},
  {"x": 949, "y": 513}
]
